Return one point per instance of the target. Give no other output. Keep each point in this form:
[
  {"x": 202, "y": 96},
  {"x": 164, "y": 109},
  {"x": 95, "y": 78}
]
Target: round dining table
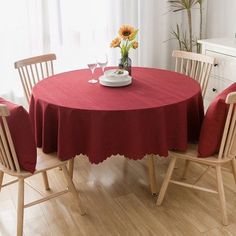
[{"x": 159, "y": 111}]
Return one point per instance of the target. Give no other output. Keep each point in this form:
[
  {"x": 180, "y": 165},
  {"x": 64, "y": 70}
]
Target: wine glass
[
  {"x": 102, "y": 61},
  {"x": 92, "y": 67}
]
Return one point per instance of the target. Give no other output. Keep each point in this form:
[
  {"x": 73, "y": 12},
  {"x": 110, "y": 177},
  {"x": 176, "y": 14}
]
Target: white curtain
[
  {"x": 18, "y": 39},
  {"x": 87, "y": 27},
  {"x": 76, "y": 30}
]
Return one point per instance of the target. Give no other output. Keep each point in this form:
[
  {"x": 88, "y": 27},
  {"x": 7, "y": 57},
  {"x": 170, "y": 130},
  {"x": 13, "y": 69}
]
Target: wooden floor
[{"x": 117, "y": 200}]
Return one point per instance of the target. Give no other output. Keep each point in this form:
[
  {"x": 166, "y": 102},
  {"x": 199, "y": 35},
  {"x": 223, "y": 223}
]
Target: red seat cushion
[
  {"x": 213, "y": 124},
  {"x": 22, "y": 135}
]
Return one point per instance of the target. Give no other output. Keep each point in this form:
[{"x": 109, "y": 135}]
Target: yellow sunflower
[
  {"x": 125, "y": 31},
  {"x": 115, "y": 42}
]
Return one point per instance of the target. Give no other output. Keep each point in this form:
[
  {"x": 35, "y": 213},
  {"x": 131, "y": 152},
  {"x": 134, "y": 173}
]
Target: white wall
[{"x": 221, "y": 20}]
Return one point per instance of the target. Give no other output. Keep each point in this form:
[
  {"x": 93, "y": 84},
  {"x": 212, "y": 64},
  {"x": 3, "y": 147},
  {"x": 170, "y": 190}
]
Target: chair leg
[
  {"x": 45, "y": 180},
  {"x": 152, "y": 174},
  {"x": 20, "y": 207},
  {"x": 221, "y": 194},
  {"x": 71, "y": 167},
  {"x": 166, "y": 181},
  {"x": 234, "y": 168},
  {"x": 1, "y": 179},
  {"x": 72, "y": 188},
  {"x": 186, "y": 166}
]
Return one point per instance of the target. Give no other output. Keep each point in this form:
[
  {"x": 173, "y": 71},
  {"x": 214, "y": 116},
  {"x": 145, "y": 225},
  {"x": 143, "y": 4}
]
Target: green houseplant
[{"x": 186, "y": 40}]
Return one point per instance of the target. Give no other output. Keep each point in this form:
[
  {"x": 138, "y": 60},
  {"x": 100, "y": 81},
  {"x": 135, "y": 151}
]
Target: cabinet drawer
[
  {"x": 215, "y": 86},
  {"x": 226, "y": 65}
]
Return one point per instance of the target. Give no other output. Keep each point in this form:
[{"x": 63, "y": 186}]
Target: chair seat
[
  {"x": 44, "y": 162},
  {"x": 47, "y": 161},
  {"x": 191, "y": 154}
]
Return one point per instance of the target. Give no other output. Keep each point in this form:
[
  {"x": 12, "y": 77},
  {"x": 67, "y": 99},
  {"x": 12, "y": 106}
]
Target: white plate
[
  {"x": 114, "y": 82},
  {"x": 113, "y": 73}
]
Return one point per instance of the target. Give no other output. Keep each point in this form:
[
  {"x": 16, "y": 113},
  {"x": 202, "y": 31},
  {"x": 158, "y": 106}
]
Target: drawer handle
[
  {"x": 216, "y": 64},
  {"x": 214, "y": 90}
]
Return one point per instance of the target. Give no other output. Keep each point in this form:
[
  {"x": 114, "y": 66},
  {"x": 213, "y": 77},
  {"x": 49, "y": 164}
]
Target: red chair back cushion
[
  {"x": 213, "y": 124},
  {"x": 22, "y": 135}
]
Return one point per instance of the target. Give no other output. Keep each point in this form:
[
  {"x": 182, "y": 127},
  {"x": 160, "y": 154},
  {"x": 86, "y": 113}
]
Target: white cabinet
[{"x": 224, "y": 72}]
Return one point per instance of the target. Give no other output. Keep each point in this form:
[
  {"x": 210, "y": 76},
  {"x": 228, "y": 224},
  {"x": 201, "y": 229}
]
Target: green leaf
[{"x": 180, "y": 5}]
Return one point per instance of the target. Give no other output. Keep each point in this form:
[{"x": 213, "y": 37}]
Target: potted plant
[
  {"x": 186, "y": 40},
  {"x": 125, "y": 41}
]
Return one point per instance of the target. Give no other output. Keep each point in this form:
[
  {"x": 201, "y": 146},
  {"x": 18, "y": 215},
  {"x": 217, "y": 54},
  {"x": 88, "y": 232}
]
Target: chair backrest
[
  {"x": 228, "y": 142},
  {"x": 8, "y": 157},
  {"x": 197, "y": 66},
  {"x": 34, "y": 69}
]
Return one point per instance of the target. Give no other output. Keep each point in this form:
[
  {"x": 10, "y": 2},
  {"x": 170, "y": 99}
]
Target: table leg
[
  {"x": 71, "y": 167},
  {"x": 152, "y": 174}
]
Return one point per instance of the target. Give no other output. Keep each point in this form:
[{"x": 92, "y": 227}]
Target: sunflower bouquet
[{"x": 125, "y": 41}]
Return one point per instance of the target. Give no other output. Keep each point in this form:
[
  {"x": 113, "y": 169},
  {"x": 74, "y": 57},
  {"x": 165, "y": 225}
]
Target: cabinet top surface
[{"x": 222, "y": 42}]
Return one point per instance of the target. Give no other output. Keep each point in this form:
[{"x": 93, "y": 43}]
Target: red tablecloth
[{"x": 160, "y": 110}]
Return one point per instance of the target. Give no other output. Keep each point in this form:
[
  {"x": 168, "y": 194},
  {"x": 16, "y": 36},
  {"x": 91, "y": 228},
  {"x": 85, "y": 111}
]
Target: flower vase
[{"x": 125, "y": 63}]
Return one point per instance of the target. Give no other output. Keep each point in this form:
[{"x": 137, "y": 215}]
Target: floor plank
[{"x": 117, "y": 199}]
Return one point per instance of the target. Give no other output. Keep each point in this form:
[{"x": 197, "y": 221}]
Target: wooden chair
[
  {"x": 31, "y": 71},
  {"x": 197, "y": 66},
  {"x": 226, "y": 154},
  {"x": 9, "y": 164},
  {"x": 34, "y": 69}
]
